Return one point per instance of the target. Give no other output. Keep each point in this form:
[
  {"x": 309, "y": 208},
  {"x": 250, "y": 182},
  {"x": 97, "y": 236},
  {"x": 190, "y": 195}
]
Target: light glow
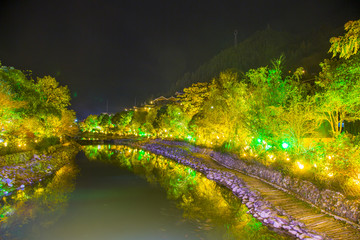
[
  {"x": 300, "y": 165},
  {"x": 285, "y": 145}
]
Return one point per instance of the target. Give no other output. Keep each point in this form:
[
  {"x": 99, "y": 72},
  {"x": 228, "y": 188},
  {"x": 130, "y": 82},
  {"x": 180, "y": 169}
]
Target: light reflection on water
[{"x": 111, "y": 202}]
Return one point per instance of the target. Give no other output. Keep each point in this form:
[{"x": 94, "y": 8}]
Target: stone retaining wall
[
  {"x": 259, "y": 208},
  {"x": 328, "y": 200},
  {"x": 16, "y": 157}
]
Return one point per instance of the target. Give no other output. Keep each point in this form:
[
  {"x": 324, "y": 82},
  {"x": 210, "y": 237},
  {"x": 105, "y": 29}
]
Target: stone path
[{"x": 313, "y": 218}]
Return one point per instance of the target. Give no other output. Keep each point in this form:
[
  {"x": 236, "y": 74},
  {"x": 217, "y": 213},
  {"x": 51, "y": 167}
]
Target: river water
[{"x": 116, "y": 192}]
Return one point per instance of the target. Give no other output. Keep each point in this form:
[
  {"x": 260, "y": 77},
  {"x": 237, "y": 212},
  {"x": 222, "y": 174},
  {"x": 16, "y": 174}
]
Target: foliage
[
  {"x": 270, "y": 115},
  {"x": 349, "y": 44},
  {"x": 340, "y": 84},
  {"x": 31, "y": 111}
]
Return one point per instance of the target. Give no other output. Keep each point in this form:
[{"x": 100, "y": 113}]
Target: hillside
[{"x": 307, "y": 50}]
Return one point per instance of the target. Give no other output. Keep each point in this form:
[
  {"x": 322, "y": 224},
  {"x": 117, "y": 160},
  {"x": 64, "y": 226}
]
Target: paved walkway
[{"x": 312, "y": 217}]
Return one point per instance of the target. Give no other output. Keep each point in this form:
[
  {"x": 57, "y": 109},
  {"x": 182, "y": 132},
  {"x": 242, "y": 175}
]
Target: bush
[{"x": 47, "y": 142}]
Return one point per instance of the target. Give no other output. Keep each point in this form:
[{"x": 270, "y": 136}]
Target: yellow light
[
  {"x": 315, "y": 165},
  {"x": 301, "y": 166},
  {"x": 329, "y": 157},
  {"x": 244, "y": 154},
  {"x": 287, "y": 159},
  {"x": 5, "y": 144},
  {"x": 330, "y": 174}
]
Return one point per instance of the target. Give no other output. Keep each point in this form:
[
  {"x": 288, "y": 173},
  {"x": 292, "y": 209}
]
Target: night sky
[{"x": 122, "y": 50}]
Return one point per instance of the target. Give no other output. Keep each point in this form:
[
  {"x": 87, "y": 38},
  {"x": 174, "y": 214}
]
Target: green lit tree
[
  {"x": 340, "y": 80},
  {"x": 339, "y": 99}
]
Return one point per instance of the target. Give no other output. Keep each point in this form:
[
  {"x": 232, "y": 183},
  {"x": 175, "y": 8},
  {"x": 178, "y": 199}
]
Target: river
[{"x": 116, "y": 192}]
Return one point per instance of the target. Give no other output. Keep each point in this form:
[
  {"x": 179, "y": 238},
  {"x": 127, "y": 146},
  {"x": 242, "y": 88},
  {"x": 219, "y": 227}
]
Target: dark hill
[{"x": 259, "y": 49}]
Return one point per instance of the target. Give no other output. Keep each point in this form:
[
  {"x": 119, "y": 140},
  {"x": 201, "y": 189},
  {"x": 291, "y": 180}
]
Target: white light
[{"x": 301, "y": 166}]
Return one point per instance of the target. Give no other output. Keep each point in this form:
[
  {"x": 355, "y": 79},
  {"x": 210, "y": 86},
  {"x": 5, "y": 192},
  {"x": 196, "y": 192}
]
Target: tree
[
  {"x": 52, "y": 94},
  {"x": 194, "y": 97},
  {"x": 90, "y": 123},
  {"x": 339, "y": 99},
  {"x": 221, "y": 117},
  {"x": 340, "y": 80},
  {"x": 349, "y": 44},
  {"x": 269, "y": 94}
]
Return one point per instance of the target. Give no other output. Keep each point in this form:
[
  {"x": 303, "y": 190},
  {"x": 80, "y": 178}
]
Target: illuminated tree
[
  {"x": 339, "y": 99},
  {"x": 221, "y": 117},
  {"x": 349, "y": 44},
  {"x": 172, "y": 120},
  {"x": 269, "y": 93},
  {"x": 194, "y": 97},
  {"x": 90, "y": 124},
  {"x": 53, "y": 94}
]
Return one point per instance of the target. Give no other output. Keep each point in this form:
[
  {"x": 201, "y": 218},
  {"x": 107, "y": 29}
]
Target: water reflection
[
  {"x": 113, "y": 203},
  {"x": 44, "y": 202},
  {"x": 216, "y": 212}
]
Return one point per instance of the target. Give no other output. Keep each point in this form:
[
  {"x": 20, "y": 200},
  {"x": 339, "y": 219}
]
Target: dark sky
[{"x": 122, "y": 50}]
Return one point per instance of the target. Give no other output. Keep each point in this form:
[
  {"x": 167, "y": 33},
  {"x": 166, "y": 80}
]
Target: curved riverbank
[
  {"x": 226, "y": 169},
  {"x": 19, "y": 170},
  {"x": 262, "y": 210}
]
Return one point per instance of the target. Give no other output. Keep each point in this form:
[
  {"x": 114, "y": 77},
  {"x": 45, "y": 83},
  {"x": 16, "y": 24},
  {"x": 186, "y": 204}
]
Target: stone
[
  {"x": 286, "y": 227},
  {"x": 276, "y": 225},
  {"x": 296, "y": 228},
  {"x": 264, "y": 214}
]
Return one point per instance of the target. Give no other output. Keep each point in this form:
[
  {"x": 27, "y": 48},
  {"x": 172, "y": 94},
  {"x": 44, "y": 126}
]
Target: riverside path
[{"x": 313, "y": 218}]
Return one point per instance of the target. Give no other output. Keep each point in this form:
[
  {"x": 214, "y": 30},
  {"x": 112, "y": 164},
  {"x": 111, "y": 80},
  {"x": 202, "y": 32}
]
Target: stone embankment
[
  {"x": 19, "y": 170},
  {"x": 328, "y": 200},
  {"x": 264, "y": 211}
]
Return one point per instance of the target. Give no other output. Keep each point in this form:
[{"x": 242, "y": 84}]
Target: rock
[
  {"x": 286, "y": 227},
  {"x": 296, "y": 228},
  {"x": 276, "y": 224},
  {"x": 264, "y": 214},
  {"x": 249, "y": 204}
]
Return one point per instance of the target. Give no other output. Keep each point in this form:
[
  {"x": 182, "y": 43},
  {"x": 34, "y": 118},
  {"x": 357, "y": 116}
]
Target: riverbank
[
  {"x": 202, "y": 159},
  {"x": 269, "y": 215},
  {"x": 19, "y": 170}
]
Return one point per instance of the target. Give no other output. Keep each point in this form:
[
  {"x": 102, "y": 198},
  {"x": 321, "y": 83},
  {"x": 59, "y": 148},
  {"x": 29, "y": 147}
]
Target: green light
[
  {"x": 259, "y": 140},
  {"x": 285, "y": 145}
]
